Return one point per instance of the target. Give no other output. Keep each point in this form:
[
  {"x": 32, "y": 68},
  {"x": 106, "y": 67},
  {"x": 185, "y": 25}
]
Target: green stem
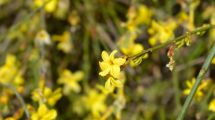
[
  {"x": 198, "y": 30},
  {"x": 198, "y": 81}
]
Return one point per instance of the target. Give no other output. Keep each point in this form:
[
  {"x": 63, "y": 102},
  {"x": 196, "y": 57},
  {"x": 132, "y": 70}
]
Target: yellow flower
[
  {"x": 64, "y": 43},
  {"x": 132, "y": 49},
  {"x": 161, "y": 32},
  {"x": 42, "y": 37},
  {"x": 111, "y": 82},
  {"x": 4, "y": 99},
  {"x": 144, "y": 16},
  {"x": 46, "y": 95},
  {"x": 211, "y": 106},
  {"x": 137, "y": 16},
  {"x": 73, "y": 18},
  {"x": 111, "y": 65},
  {"x": 49, "y": 7},
  {"x": 43, "y": 113},
  {"x": 200, "y": 91},
  {"x": 95, "y": 102},
  {"x": 9, "y": 72},
  {"x": 70, "y": 81}
]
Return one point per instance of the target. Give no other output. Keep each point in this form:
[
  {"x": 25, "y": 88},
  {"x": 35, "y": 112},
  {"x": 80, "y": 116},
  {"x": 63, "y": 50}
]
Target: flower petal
[
  {"x": 104, "y": 72},
  {"x": 119, "y": 61},
  {"x": 104, "y": 65},
  {"x": 116, "y": 83},
  {"x": 108, "y": 84},
  {"x": 113, "y": 54},
  {"x": 105, "y": 56},
  {"x": 115, "y": 71}
]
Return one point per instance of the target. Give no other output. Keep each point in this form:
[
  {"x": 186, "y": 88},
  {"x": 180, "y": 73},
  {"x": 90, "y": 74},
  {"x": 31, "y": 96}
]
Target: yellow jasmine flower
[
  {"x": 200, "y": 91},
  {"x": 46, "y": 95},
  {"x": 43, "y": 113},
  {"x": 211, "y": 106},
  {"x": 111, "y": 65},
  {"x": 137, "y": 16},
  {"x": 64, "y": 43},
  {"x": 70, "y": 81},
  {"x": 112, "y": 83},
  {"x": 161, "y": 32},
  {"x": 9, "y": 73},
  {"x": 133, "y": 49},
  {"x": 95, "y": 102},
  {"x": 42, "y": 37},
  {"x": 144, "y": 16},
  {"x": 73, "y": 18},
  {"x": 49, "y": 7}
]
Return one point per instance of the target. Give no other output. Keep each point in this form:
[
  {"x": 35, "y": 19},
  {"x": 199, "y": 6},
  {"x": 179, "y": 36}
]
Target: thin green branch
[
  {"x": 198, "y": 30},
  {"x": 198, "y": 81},
  {"x": 19, "y": 97}
]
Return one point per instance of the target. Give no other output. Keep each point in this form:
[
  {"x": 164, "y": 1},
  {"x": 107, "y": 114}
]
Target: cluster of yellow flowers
[
  {"x": 137, "y": 16},
  {"x": 10, "y": 73},
  {"x": 44, "y": 94},
  {"x": 110, "y": 68},
  {"x": 161, "y": 32}
]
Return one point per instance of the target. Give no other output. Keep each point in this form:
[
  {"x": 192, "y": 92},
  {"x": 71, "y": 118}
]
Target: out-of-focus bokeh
[{"x": 67, "y": 59}]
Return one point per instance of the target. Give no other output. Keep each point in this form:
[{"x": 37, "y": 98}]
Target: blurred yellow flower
[
  {"x": 42, "y": 37},
  {"x": 46, "y": 95},
  {"x": 49, "y": 7},
  {"x": 4, "y": 98},
  {"x": 132, "y": 49},
  {"x": 111, "y": 65},
  {"x": 161, "y": 32},
  {"x": 95, "y": 102},
  {"x": 200, "y": 91},
  {"x": 73, "y": 18},
  {"x": 70, "y": 81},
  {"x": 211, "y": 106},
  {"x": 113, "y": 83},
  {"x": 64, "y": 43},
  {"x": 43, "y": 113},
  {"x": 137, "y": 16},
  {"x": 9, "y": 73}
]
